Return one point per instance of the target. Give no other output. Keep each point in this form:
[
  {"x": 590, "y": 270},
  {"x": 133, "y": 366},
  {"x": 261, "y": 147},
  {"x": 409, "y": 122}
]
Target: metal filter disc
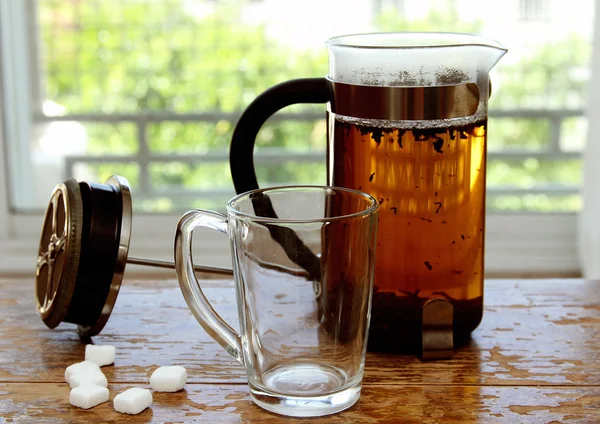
[
  {"x": 58, "y": 253},
  {"x": 82, "y": 254}
]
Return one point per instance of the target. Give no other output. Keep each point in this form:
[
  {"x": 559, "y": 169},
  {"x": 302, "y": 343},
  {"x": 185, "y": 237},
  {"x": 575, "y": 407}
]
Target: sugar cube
[
  {"x": 80, "y": 367},
  {"x": 168, "y": 378},
  {"x": 100, "y": 354},
  {"x": 88, "y": 377},
  {"x": 132, "y": 401},
  {"x": 87, "y": 396}
]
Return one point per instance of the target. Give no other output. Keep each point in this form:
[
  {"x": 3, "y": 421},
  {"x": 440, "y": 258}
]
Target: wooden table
[{"x": 535, "y": 358}]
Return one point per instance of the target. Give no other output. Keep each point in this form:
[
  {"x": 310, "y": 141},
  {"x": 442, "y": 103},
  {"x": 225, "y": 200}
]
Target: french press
[
  {"x": 83, "y": 251},
  {"x": 407, "y": 123}
]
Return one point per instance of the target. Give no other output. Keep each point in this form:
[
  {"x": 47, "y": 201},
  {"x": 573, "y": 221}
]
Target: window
[
  {"x": 533, "y": 10},
  {"x": 152, "y": 90},
  {"x": 380, "y": 6}
]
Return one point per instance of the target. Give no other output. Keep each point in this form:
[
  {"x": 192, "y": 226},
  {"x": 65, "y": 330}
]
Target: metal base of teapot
[{"x": 437, "y": 329}]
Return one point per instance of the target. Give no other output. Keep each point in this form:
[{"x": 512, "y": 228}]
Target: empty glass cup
[{"x": 303, "y": 262}]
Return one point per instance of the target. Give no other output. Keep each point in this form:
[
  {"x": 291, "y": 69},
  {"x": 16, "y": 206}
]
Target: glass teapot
[{"x": 407, "y": 123}]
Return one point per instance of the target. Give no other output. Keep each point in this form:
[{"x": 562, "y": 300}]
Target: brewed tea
[{"x": 430, "y": 183}]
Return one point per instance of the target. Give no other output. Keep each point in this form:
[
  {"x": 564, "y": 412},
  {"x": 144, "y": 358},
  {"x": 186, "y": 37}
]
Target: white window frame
[{"x": 516, "y": 243}]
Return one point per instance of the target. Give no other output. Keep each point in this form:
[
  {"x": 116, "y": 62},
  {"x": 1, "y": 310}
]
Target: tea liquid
[{"x": 430, "y": 184}]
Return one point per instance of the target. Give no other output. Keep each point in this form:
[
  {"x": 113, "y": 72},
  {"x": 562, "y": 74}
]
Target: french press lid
[{"x": 83, "y": 252}]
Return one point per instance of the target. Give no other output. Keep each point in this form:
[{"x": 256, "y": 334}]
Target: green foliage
[
  {"x": 444, "y": 18},
  {"x": 160, "y": 56},
  {"x": 145, "y": 56},
  {"x": 517, "y": 133},
  {"x": 108, "y": 139},
  {"x": 157, "y": 56},
  {"x": 529, "y": 172},
  {"x": 553, "y": 76}
]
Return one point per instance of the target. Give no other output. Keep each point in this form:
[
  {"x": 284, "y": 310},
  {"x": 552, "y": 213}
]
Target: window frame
[{"x": 521, "y": 243}]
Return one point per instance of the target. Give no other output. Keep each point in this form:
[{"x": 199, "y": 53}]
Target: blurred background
[
  {"x": 154, "y": 88},
  {"x": 151, "y": 89}
]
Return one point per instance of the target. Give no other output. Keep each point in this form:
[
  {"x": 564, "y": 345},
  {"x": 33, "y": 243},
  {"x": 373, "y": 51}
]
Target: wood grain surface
[{"x": 535, "y": 358}]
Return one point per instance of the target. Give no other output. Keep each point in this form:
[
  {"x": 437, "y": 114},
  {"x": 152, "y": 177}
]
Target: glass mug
[
  {"x": 407, "y": 123},
  {"x": 303, "y": 333}
]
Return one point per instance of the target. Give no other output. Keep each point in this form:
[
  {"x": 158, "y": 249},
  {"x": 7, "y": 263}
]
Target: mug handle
[
  {"x": 213, "y": 324},
  {"x": 241, "y": 159}
]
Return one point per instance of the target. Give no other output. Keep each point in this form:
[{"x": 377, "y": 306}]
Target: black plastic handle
[{"x": 241, "y": 160}]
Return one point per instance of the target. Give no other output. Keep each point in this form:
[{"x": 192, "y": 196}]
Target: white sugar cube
[
  {"x": 88, "y": 377},
  {"x": 168, "y": 378},
  {"x": 100, "y": 354},
  {"x": 80, "y": 367},
  {"x": 88, "y": 395},
  {"x": 133, "y": 401}
]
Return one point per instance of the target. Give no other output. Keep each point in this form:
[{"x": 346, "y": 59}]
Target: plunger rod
[{"x": 171, "y": 265}]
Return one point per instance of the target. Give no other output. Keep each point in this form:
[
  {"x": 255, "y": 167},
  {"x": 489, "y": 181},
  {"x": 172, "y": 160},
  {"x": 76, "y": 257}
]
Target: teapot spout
[{"x": 488, "y": 55}]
